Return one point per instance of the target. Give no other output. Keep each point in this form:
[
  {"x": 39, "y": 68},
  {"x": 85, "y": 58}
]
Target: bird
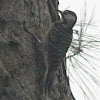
[{"x": 59, "y": 39}]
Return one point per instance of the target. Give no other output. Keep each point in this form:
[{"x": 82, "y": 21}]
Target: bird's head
[{"x": 69, "y": 17}]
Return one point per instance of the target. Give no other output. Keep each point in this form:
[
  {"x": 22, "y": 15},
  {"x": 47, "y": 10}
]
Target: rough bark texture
[{"x": 21, "y": 60}]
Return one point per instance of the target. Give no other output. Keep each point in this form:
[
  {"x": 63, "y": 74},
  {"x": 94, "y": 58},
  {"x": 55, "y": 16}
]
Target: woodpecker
[{"x": 59, "y": 39}]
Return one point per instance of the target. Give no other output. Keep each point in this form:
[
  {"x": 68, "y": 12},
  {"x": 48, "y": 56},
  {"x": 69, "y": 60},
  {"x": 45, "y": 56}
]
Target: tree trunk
[{"x": 23, "y": 23}]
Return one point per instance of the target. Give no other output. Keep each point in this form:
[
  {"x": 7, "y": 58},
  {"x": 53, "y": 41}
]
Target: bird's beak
[{"x": 60, "y": 12}]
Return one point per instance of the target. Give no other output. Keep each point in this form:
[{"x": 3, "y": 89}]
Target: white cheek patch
[{"x": 60, "y": 15}]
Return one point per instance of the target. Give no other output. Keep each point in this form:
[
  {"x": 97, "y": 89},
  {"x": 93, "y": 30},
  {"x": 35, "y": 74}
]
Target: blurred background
[{"x": 83, "y": 58}]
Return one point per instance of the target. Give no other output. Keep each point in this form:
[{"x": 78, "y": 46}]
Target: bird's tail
[{"x": 48, "y": 80}]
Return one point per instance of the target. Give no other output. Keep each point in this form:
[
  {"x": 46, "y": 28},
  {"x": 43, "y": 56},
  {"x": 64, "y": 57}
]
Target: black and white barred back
[{"x": 59, "y": 41}]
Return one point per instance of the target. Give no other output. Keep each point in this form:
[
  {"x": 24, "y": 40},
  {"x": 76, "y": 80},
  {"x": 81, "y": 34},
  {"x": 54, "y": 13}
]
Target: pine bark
[{"x": 21, "y": 59}]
